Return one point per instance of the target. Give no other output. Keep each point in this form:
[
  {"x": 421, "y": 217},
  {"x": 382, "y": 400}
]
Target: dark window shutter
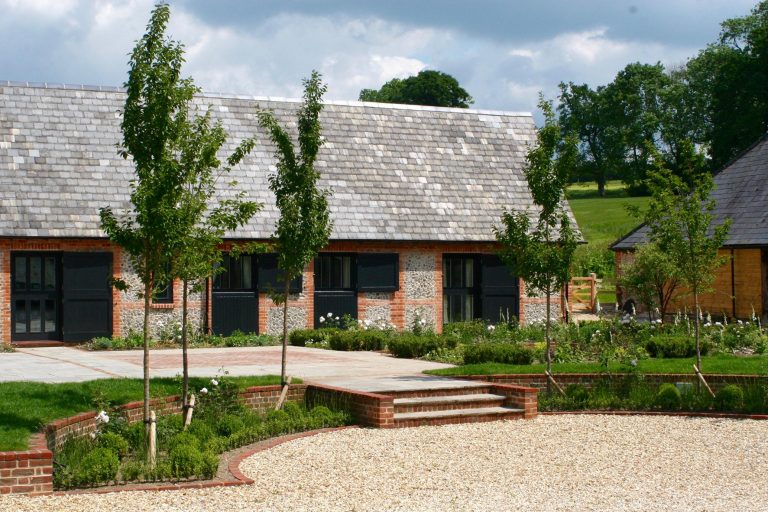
[
  {"x": 500, "y": 294},
  {"x": 377, "y": 272},
  {"x": 270, "y": 277}
]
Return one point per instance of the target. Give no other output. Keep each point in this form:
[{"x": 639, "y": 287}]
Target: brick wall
[
  {"x": 520, "y": 397},
  {"x": 401, "y": 306},
  {"x": 589, "y": 380},
  {"x": 29, "y": 471},
  {"x": 742, "y": 280},
  {"x": 367, "y": 409}
]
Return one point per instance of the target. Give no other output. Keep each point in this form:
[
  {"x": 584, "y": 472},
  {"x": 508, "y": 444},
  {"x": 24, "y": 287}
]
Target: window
[
  {"x": 334, "y": 272},
  {"x": 164, "y": 295},
  {"x": 377, "y": 272},
  {"x": 237, "y": 274},
  {"x": 270, "y": 278},
  {"x": 459, "y": 287}
]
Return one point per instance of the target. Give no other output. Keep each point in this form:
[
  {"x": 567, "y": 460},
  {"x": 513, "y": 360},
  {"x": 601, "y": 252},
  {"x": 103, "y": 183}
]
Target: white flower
[
  {"x": 322, "y": 319},
  {"x": 93, "y": 435},
  {"x": 336, "y": 318},
  {"x": 422, "y": 322},
  {"x": 740, "y": 322},
  {"x": 214, "y": 382},
  {"x": 491, "y": 328},
  {"x": 102, "y": 417},
  {"x": 719, "y": 324},
  {"x": 707, "y": 324},
  {"x": 329, "y": 315},
  {"x": 633, "y": 362},
  {"x": 204, "y": 391}
]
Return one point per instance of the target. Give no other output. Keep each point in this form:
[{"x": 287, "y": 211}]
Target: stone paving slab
[{"x": 368, "y": 371}]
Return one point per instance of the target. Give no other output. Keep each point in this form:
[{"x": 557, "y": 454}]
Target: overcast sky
[{"x": 502, "y": 51}]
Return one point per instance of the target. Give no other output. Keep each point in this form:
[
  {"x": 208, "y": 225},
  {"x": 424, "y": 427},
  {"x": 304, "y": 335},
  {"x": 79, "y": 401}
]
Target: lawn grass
[
  {"x": 602, "y": 221},
  {"x": 727, "y": 364},
  {"x": 26, "y": 406}
]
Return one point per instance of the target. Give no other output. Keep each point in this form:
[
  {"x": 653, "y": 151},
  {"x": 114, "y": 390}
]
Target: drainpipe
[{"x": 733, "y": 284}]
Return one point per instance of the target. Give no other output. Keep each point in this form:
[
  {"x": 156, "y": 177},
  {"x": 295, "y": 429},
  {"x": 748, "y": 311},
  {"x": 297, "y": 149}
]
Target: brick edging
[
  {"x": 233, "y": 468},
  {"x": 724, "y": 415}
]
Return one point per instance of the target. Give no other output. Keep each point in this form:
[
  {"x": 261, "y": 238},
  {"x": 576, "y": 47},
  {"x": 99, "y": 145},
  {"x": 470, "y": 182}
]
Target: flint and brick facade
[{"x": 421, "y": 187}]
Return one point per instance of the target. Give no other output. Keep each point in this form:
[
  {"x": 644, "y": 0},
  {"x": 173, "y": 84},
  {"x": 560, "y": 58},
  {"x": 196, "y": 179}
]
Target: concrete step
[
  {"x": 469, "y": 389},
  {"x": 447, "y": 402},
  {"x": 444, "y": 417}
]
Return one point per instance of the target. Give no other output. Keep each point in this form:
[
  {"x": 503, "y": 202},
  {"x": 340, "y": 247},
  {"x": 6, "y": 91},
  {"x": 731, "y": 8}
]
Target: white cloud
[{"x": 46, "y": 9}]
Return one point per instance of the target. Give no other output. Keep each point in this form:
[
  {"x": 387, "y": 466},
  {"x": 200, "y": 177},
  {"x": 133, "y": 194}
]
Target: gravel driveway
[{"x": 567, "y": 463}]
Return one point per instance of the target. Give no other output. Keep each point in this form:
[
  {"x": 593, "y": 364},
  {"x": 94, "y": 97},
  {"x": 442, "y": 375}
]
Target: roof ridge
[{"x": 344, "y": 103}]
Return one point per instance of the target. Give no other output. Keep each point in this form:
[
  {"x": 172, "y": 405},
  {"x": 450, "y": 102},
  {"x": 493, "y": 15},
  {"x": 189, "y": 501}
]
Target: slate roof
[
  {"x": 741, "y": 193},
  {"x": 397, "y": 172}
]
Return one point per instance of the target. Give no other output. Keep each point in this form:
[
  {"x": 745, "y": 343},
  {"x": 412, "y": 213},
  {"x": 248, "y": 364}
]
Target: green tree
[
  {"x": 196, "y": 254},
  {"x": 154, "y": 126},
  {"x": 652, "y": 277},
  {"x": 591, "y": 116},
  {"x": 429, "y": 87},
  {"x": 542, "y": 253},
  {"x": 304, "y": 226},
  {"x": 679, "y": 218},
  {"x": 731, "y": 77}
]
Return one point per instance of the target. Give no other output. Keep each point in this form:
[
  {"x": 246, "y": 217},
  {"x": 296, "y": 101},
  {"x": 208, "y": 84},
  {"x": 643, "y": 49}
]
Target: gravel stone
[{"x": 552, "y": 463}]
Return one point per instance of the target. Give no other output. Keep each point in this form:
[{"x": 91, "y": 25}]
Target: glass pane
[
  {"x": 446, "y": 315},
  {"x": 346, "y": 281},
  {"x": 247, "y": 272},
  {"x": 469, "y": 265},
  {"x": 325, "y": 277},
  {"x": 20, "y": 323},
  {"x": 456, "y": 277},
  {"x": 35, "y": 318},
  {"x": 20, "y": 273},
  {"x": 50, "y": 316},
  {"x": 50, "y": 273},
  {"x": 235, "y": 274},
  {"x": 35, "y": 274},
  {"x": 469, "y": 307},
  {"x": 446, "y": 273}
]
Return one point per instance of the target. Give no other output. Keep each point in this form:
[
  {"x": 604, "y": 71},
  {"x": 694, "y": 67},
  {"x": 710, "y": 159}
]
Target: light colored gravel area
[{"x": 568, "y": 463}]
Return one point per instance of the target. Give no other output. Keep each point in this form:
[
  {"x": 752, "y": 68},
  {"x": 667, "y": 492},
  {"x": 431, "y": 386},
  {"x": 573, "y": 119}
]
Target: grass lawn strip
[
  {"x": 724, "y": 364},
  {"x": 26, "y": 406}
]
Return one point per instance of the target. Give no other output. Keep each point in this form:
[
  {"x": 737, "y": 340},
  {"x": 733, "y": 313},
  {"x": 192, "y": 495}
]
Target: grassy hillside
[{"x": 602, "y": 220}]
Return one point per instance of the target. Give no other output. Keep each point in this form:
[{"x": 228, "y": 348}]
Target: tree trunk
[
  {"x": 601, "y": 187},
  {"x": 283, "y": 379},
  {"x": 184, "y": 348},
  {"x": 696, "y": 333},
  {"x": 549, "y": 340},
  {"x": 147, "y": 300}
]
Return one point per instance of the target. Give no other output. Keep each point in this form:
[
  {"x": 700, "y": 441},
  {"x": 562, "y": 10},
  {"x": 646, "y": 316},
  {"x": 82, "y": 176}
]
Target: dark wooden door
[
  {"x": 86, "y": 295},
  {"x": 35, "y": 296},
  {"x": 235, "y": 301},
  {"x": 499, "y": 290},
  {"x": 335, "y": 287}
]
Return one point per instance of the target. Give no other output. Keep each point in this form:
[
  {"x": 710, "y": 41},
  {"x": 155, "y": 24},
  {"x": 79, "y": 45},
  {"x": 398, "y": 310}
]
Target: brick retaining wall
[
  {"x": 29, "y": 471},
  {"x": 368, "y": 409}
]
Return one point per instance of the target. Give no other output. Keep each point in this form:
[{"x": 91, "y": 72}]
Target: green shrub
[
  {"x": 201, "y": 430},
  {"x": 293, "y": 410},
  {"x": 410, "y": 346},
  {"x": 114, "y": 442},
  {"x": 185, "y": 460},
  {"x": 228, "y": 425},
  {"x": 730, "y": 398},
  {"x": 217, "y": 444},
  {"x": 506, "y": 353},
  {"x": 358, "y": 340},
  {"x": 131, "y": 470},
  {"x": 577, "y": 393},
  {"x": 98, "y": 466},
  {"x": 323, "y": 416},
  {"x": 161, "y": 471},
  {"x": 100, "y": 343},
  {"x": 674, "y": 345},
  {"x": 466, "y": 332},
  {"x": 668, "y": 397},
  {"x": 278, "y": 422},
  {"x": 168, "y": 427},
  {"x": 182, "y": 439},
  {"x": 304, "y": 337},
  {"x": 209, "y": 465}
]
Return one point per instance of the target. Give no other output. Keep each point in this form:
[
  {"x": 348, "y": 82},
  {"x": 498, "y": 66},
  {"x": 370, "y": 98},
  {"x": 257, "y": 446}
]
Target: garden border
[
  {"x": 711, "y": 415},
  {"x": 30, "y": 471}
]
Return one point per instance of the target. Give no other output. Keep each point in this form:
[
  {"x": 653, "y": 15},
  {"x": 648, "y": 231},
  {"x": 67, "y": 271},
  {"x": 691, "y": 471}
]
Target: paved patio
[{"x": 368, "y": 371}]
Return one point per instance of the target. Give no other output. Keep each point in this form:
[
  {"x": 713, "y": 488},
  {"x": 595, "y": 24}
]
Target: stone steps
[
  {"x": 447, "y": 402},
  {"x": 441, "y": 405},
  {"x": 445, "y": 417}
]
